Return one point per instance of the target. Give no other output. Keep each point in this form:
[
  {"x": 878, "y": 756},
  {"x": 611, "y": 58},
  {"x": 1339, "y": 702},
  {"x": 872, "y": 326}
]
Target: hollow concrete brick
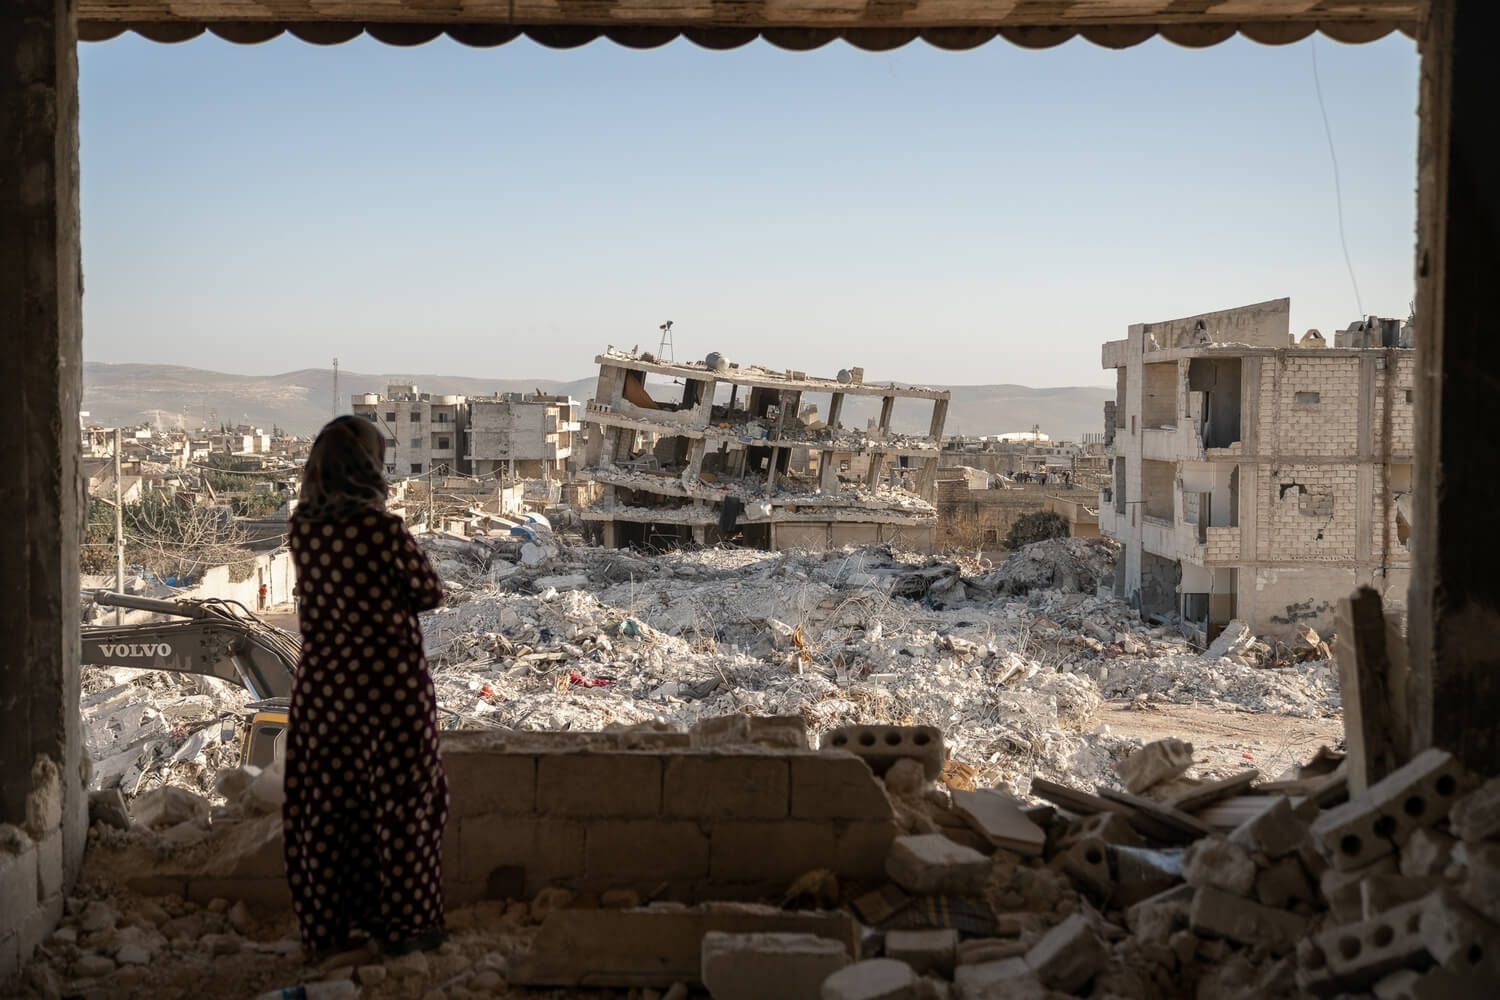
[
  {"x": 484, "y": 782},
  {"x": 652, "y": 850},
  {"x": 836, "y": 786},
  {"x": 726, "y": 786},
  {"x": 606, "y": 785}
]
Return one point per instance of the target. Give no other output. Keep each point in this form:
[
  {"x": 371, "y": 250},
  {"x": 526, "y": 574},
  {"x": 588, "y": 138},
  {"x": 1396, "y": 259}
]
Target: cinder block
[
  {"x": 1284, "y": 883},
  {"x": 1087, "y": 863},
  {"x": 836, "y": 786},
  {"x": 1275, "y": 831},
  {"x": 860, "y": 848},
  {"x": 627, "y": 852},
  {"x": 610, "y": 785},
  {"x": 39, "y": 924},
  {"x": 726, "y": 786},
  {"x": 492, "y": 781},
  {"x": 756, "y": 966},
  {"x": 768, "y": 851},
  {"x": 1457, "y": 937},
  {"x": 18, "y": 882},
  {"x": 1340, "y": 889},
  {"x": 882, "y": 746},
  {"x": 931, "y": 863},
  {"x": 1360, "y": 953},
  {"x": 49, "y": 865},
  {"x": 1110, "y": 827},
  {"x": 1234, "y": 918},
  {"x": 925, "y": 951},
  {"x": 1415, "y": 795},
  {"x": 550, "y": 850},
  {"x": 1381, "y": 893},
  {"x": 1068, "y": 955}
]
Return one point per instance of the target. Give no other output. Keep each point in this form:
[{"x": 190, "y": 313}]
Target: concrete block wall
[
  {"x": 1315, "y": 523},
  {"x": 668, "y": 821},
  {"x": 683, "y": 824},
  {"x": 33, "y": 872},
  {"x": 1403, "y": 413},
  {"x": 1223, "y": 546},
  {"x": 1329, "y": 427}
]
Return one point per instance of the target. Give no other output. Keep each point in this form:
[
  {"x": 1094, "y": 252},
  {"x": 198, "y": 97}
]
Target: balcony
[{"x": 1170, "y": 540}]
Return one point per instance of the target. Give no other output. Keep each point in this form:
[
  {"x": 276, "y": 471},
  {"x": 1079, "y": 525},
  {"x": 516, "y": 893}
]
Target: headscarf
[{"x": 345, "y": 472}]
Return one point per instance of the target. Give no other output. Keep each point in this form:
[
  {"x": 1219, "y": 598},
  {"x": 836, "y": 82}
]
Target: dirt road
[{"x": 1227, "y": 741}]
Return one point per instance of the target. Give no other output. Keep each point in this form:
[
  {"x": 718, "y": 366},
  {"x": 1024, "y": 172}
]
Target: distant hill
[{"x": 300, "y": 401}]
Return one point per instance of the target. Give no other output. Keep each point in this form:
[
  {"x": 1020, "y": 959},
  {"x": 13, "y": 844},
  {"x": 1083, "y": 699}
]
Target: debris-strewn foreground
[
  {"x": 1011, "y": 662},
  {"x": 1026, "y": 866}
]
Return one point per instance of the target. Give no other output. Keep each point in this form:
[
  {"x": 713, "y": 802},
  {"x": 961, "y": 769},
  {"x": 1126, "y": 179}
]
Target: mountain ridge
[{"x": 300, "y": 400}]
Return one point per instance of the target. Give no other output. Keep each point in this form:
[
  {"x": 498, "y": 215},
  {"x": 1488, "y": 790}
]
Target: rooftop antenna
[
  {"x": 335, "y": 387},
  {"x": 664, "y": 353}
]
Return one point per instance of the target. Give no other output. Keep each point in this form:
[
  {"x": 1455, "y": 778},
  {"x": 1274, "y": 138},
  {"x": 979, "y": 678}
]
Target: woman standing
[{"x": 366, "y": 796}]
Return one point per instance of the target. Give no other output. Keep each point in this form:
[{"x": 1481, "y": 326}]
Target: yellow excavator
[{"x": 211, "y": 638}]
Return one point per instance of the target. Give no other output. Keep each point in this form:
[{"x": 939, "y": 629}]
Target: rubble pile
[
  {"x": 1010, "y": 662},
  {"x": 1181, "y": 888}
]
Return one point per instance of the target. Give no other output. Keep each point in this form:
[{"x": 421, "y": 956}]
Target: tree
[
  {"x": 163, "y": 535},
  {"x": 1037, "y": 526}
]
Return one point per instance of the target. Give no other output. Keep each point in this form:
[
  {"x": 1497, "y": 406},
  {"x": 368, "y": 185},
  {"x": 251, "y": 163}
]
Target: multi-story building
[
  {"x": 1254, "y": 477},
  {"x": 423, "y": 432},
  {"x": 723, "y": 458},
  {"x": 525, "y": 436}
]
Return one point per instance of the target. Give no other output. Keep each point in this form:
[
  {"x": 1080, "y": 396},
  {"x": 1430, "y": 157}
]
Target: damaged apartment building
[
  {"x": 757, "y": 456},
  {"x": 1258, "y": 477},
  {"x": 511, "y": 435}
]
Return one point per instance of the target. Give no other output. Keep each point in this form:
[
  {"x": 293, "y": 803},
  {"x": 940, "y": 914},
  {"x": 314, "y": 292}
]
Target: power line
[{"x": 1338, "y": 192}]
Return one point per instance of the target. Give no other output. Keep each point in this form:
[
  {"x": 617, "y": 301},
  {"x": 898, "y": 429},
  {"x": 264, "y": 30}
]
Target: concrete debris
[
  {"x": 931, "y": 863},
  {"x": 872, "y": 979},
  {"x": 754, "y": 966},
  {"x": 1154, "y": 763}
]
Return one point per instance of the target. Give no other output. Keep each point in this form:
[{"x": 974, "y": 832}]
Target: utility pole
[
  {"x": 429, "y": 497},
  {"x": 119, "y": 530},
  {"x": 335, "y": 387}
]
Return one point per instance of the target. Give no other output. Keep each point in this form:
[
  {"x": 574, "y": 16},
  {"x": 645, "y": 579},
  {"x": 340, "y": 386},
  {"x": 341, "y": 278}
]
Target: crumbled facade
[
  {"x": 423, "y": 432},
  {"x": 748, "y": 454},
  {"x": 1255, "y": 476}
]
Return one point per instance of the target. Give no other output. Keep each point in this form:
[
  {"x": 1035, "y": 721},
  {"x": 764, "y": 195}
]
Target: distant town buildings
[
  {"x": 423, "y": 432},
  {"x": 1255, "y": 477},
  {"x": 512, "y": 435}
]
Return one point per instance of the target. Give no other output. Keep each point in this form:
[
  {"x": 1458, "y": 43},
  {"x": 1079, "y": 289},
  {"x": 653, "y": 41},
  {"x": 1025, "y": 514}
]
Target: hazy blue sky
[{"x": 988, "y": 216}]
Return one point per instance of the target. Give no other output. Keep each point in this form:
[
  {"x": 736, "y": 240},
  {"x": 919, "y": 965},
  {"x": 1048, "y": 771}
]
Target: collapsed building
[
  {"x": 742, "y": 454},
  {"x": 1258, "y": 478}
]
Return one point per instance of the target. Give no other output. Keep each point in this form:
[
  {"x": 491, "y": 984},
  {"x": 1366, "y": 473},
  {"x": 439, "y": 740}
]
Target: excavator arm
[{"x": 215, "y": 639}]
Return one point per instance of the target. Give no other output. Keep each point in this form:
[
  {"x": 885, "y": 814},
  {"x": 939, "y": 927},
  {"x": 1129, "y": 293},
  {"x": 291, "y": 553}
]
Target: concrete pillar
[
  {"x": 1454, "y": 687},
  {"x": 42, "y": 492}
]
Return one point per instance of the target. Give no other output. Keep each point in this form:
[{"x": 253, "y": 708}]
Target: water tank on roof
[{"x": 716, "y": 362}]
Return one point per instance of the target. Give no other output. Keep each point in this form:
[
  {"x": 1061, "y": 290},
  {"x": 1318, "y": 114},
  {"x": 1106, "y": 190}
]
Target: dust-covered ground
[{"x": 1024, "y": 668}]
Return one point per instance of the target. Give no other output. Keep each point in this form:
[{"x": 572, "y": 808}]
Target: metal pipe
[{"x": 112, "y": 600}]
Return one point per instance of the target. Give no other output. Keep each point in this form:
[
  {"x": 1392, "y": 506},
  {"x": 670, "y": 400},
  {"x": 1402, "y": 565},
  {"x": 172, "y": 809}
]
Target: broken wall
[
  {"x": 669, "y": 822},
  {"x": 1307, "y": 513}
]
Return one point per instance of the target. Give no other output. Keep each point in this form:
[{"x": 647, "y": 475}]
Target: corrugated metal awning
[{"x": 874, "y": 25}]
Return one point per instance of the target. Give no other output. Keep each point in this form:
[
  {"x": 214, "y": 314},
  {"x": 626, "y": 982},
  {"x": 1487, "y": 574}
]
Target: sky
[{"x": 958, "y": 218}]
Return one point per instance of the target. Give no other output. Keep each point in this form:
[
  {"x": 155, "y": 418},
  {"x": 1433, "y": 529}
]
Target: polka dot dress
[{"x": 366, "y": 796}]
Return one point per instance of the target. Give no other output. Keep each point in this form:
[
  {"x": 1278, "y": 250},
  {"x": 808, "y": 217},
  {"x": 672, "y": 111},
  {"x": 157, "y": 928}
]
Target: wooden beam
[
  {"x": 1454, "y": 601},
  {"x": 1365, "y": 680}
]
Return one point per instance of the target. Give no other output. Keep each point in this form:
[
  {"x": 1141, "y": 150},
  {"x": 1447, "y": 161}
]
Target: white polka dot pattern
[{"x": 366, "y": 796}]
